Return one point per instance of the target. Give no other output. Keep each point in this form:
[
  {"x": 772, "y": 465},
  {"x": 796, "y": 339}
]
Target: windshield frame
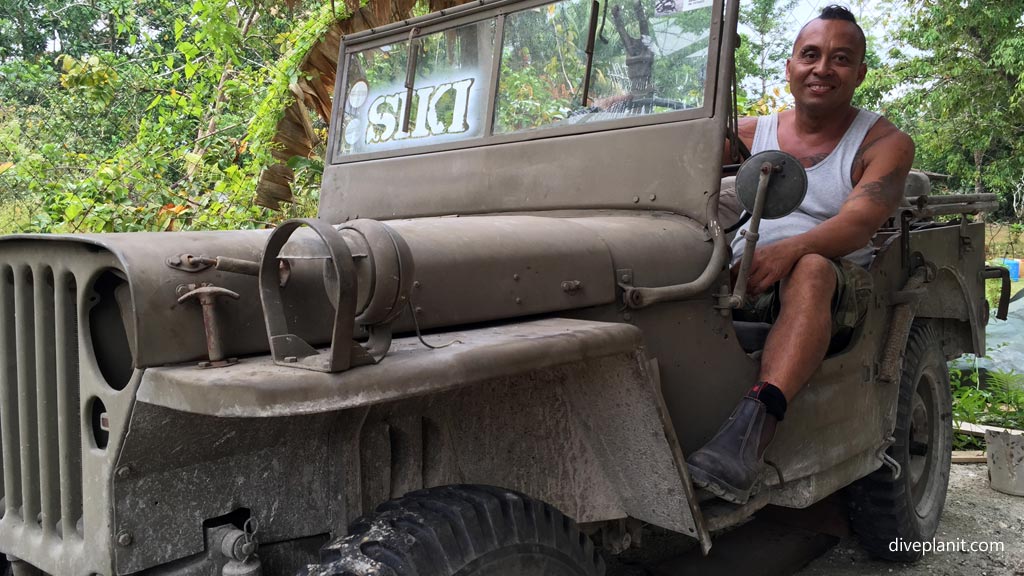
[{"x": 482, "y": 10}]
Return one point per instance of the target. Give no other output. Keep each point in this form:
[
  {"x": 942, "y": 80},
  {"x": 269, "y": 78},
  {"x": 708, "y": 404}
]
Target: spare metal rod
[
  {"x": 930, "y": 200},
  {"x": 948, "y": 209}
]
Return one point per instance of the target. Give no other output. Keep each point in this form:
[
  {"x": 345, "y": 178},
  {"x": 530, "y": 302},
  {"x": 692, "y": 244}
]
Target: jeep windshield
[{"x": 507, "y": 75}]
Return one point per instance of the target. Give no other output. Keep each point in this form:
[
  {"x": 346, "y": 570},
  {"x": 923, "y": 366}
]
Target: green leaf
[{"x": 72, "y": 211}]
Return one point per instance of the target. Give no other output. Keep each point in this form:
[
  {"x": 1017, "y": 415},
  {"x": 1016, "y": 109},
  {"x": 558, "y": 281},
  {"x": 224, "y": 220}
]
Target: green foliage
[
  {"x": 765, "y": 46},
  {"x": 271, "y": 107},
  {"x": 136, "y": 119},
  {"x": 528, "y": 100},
  {"x": 1000, "y": 402},
  {"x": 959, "y": 67}
]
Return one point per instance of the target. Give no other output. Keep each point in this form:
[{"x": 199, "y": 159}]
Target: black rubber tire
[
  {"x": 462, "y": 531},
  {"x": 884, "y": 510}
]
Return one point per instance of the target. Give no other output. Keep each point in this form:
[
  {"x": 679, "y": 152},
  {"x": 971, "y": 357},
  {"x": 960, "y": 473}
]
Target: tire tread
[
  {"x": 438, "y": 531},
  {"x": 879, "y": 505}
]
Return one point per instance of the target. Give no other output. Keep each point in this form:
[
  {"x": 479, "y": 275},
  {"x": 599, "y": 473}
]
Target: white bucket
[{"x": 1005, "y": 450}]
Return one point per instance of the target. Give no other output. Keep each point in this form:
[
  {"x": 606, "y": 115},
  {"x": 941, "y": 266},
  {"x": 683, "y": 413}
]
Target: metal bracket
[
  {"x": 189, "y": 263},
  {"x": 905, "y": 217},
  {"x": 624, "y": 278},
  {"x": 966, "y": 244},
  {"x": 1002, "y": 274},
  {"x": 889, "y": 461},
  {"x": 289, "y": 349}
]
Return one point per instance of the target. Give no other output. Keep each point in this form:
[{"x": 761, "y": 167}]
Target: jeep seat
[{"x": 751, "y": 335}]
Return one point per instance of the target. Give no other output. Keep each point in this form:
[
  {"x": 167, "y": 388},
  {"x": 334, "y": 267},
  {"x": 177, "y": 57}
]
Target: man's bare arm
[
  {"x": 873, "y": 200},
  {"x": 875, "y": 197}
]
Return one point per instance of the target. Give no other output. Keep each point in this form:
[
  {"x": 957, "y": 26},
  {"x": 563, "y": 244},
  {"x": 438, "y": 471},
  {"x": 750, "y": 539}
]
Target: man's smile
[{"x": 819, "y": 88}]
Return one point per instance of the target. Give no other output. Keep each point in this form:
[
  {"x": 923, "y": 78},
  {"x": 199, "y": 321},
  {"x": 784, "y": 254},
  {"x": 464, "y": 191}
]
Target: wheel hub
[{"x": 923, "y": 435}]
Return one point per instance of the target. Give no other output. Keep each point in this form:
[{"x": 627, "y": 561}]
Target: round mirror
[{"x": 786, "y": 187}]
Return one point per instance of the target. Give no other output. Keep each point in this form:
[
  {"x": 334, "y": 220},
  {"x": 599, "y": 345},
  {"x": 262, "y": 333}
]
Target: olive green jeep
[{"x": 494, "y": 347}]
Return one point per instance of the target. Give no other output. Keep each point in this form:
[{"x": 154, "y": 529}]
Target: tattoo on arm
[
  {"x": 884, "y": 192},
  {"x": 858, "y": 160}
]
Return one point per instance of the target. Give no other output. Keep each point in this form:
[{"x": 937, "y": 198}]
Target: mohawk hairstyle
[{"x": 837, "y": 12}]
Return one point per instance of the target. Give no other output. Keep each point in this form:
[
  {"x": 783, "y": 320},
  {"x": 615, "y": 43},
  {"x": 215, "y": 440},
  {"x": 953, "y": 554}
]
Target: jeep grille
[{"x": 39, "y": 400}]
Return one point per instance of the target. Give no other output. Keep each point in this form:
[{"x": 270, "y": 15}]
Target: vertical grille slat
[
  {"x": 68, "y": 397},
  {"x": 42, "y": 457},
  {"x": 46, "y": 402},
  {"x": 24, "y": 322},
  {"x": 9, "y": 428}
]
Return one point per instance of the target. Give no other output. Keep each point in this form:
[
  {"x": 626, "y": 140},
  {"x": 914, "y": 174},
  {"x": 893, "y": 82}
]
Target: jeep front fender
[{"x": 567, "y": 411}]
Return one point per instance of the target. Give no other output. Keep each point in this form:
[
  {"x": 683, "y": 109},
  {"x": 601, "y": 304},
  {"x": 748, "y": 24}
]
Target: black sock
[{"x": 773, "y": 399}]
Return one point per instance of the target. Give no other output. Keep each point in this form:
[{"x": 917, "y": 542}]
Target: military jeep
[{"x": 493, "y": 348}]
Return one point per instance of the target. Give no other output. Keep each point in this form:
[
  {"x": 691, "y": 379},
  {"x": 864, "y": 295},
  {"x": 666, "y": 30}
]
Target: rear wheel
[
  {"x": 885, "y": 511},
  {"x": 462, "y": 531}
]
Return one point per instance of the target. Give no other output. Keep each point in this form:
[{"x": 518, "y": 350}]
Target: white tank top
[{"x": 828, "y": 184}]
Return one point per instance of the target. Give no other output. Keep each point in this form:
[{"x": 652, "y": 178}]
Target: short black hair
[{"x": 837, "y": 12}]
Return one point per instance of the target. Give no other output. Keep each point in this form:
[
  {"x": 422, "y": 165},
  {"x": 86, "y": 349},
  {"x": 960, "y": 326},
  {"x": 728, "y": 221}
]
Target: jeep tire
[
  {"x": 884, "y": 510},
  {"x": 462, "y": 531}
]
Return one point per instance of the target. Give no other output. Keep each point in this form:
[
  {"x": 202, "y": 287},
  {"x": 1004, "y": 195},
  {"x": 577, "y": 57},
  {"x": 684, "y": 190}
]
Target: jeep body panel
[{"x": 568, "y": 410}]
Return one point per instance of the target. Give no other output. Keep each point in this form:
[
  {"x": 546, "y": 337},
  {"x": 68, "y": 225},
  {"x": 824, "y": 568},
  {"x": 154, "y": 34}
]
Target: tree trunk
[{"x": 979, "y": 156}]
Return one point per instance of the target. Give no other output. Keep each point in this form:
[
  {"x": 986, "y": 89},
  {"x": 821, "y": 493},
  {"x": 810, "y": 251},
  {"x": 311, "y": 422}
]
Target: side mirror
[
  {"x": 770, "y": 184},
  {"x": 786, "y": 188}
]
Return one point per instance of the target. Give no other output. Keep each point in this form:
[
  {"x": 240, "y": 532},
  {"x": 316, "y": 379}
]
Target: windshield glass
[
  {"x": 649, "y": 57},
  {"x": 449, "y": 97}
]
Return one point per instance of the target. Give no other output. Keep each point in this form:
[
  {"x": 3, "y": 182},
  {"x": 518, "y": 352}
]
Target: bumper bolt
[
  {"x": 124, "y": 538},
  {"x": 123, "y": 472}
]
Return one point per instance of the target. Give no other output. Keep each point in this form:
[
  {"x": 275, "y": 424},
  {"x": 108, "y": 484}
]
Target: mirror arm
[
  {"x": 739, "y": 295},
  {"x": 642, "y": 297}
]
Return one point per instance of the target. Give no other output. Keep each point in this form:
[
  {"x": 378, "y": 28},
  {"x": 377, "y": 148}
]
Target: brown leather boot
[{"x": 728, "y": 465}]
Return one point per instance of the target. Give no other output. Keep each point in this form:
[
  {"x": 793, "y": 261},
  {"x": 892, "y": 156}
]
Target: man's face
[{"x": 827, "y": 65}]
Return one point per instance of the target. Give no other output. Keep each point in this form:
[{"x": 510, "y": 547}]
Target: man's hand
[{"x": 772, "y": 263}]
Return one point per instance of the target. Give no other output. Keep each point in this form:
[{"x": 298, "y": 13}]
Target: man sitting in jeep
[{"x": 807, "y": 266}]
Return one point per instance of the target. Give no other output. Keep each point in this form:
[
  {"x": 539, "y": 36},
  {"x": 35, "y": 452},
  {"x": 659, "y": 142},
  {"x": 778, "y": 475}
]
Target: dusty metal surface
[
  {"x": 679, "y": 162},
  {"x": 258, "y": 387},
  {"x": 581, "y": 431},
  {"x": 165, "y": 486},
  {"x": 63, "y": 403},
  {"x": 483, "y": 268},
  {"x": 161, "y": 329},
  {"x": 957, "y": 291},
  {"x": 508, "y": 266}
]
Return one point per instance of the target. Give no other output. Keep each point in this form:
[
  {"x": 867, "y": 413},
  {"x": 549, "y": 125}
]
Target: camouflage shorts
[{"x": 849, "y": 302}]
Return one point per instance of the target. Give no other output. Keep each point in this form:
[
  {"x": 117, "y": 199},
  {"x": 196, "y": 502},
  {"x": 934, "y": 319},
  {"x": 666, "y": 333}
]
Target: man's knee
[{"x": 813, "y": 275}]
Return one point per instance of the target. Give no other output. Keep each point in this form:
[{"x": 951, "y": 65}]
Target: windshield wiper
[
  {"x": 410, "y": 77},
  {"x": 591, "y": 35}
]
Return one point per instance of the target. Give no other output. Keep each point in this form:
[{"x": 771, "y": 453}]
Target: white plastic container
[{"x": 1005, "y": 451}]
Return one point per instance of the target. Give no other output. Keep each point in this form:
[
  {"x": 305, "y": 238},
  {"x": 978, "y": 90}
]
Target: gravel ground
[{"x": 974, "y": 512}]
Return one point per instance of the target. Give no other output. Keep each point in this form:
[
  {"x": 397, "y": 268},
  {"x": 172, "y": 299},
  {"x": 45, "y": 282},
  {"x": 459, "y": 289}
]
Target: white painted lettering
[
  {"x": 436, "y": 126},
  {"x": 380, "y": 123},
  {"x": 460, "y": 123},
  {"x": 440, "y": 110},
  {"x": 423, "y": 98}
]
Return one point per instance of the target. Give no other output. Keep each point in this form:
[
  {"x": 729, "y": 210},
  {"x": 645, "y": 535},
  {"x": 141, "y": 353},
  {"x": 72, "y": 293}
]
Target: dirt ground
[{"x": 974, "y": 512}]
